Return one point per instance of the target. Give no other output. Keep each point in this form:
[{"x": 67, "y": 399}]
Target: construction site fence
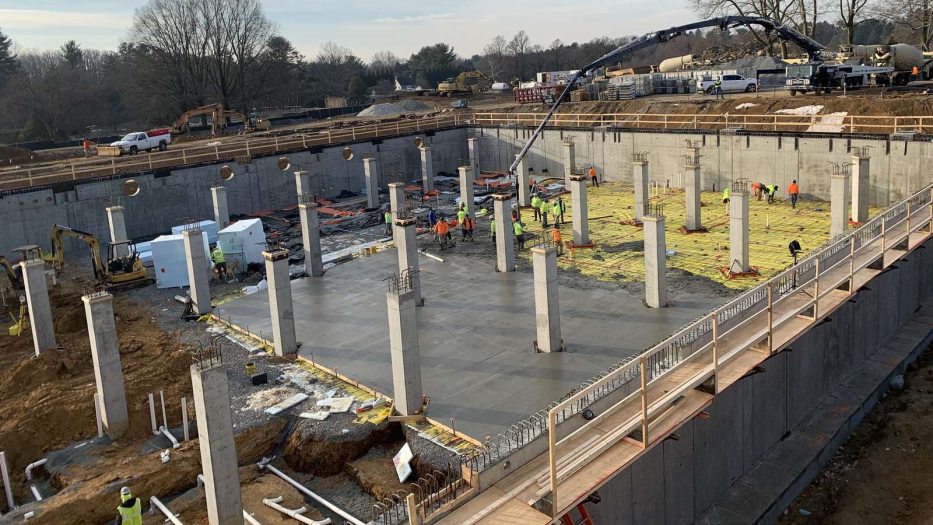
[
  {"x": 772, "y": 122},
  {"x": 225, "y": 149}
]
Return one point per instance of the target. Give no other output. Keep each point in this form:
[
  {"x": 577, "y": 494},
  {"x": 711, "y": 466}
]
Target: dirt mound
[
  {"x": 307, "y": 450},
  {"x": 11, "y": 155}
]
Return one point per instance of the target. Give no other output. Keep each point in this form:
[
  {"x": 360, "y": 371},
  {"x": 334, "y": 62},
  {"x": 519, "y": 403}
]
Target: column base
[
  {"x": 684, "y": 230},
  {"x": 562, "y": 348}
]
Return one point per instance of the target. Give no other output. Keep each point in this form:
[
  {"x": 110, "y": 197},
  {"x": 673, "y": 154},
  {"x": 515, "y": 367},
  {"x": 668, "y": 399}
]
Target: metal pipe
[
  {"x": 154, "y": 502},
  {"x": 166, "y": 433},
  {"x": 343, "y": 514},
  {"x": 297, "y": 513}
]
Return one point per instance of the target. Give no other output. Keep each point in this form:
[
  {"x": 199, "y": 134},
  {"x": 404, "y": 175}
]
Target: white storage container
[
  {"x": 168, "y": 260},
  {"x": 242, "y": 243},
  {"x": 208, "y": 227}
]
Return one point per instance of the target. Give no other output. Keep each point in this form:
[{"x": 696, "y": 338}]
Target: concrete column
[
  {"x": 655, "y": 262},
  {"x": 118, "y": 229},
  {"x": 640, "y": 180},
  {"x": 581, "y": 224},
  {"x": 570, "y": 160},
  {"x": 427, "y": 169},
  {"x": 396, "y": 197},
  {"x": 406, "y": 357},
  {"x": 37, "y": 300},
  {"x": 371, "y": 170},
  {"x": 521, "y": 179},
  {"x": 198, "y": 276},
  {"x": 466, "y": 189},
  {"x": 303, "y": 183},
  {"x": 860, "y": 188},
  {"x": 284, "y": 339},
  {"x": 311, "y": 238},
  {"x": 838, "y": 204},
  {"x": 738, "y": 231},
  {"x": 547, "y": 308},
  {"x": 218, "y": 449},
  {"x": 473, "y": 146},
  {"x": 221, "y": 211},
  {"x": 105, "y": 352},
  {"x": 406, "y": 242},
  {"x": 505, "y": 236},
  {"x": 692, "y": 185}
]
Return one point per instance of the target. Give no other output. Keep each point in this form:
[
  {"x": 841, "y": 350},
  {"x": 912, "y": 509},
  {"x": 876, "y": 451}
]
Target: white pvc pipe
[
  {"x": 343, "y": 514},
  {"x": 33, "y": 465},
  {"x": 35, "y": 492},
  {"x": 169, "y": 435},
  {"x": 154, "y": 501},
  {"x": 249, "y": 518},
  {"x": 297, "y": 513},
  {"x": 155, "y": 429},
  {"x": 6, "y": 481},
  {"x": 426, "y": 254},
  {"x": 164, "y": 417}
]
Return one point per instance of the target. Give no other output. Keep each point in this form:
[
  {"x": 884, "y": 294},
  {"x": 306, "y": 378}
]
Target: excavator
[
  {"x": 466, "y": 82},
  {"x": 12, "y": 273},
  {"x": 219, "y": 118},
  {"x": 121, "y": 272}
]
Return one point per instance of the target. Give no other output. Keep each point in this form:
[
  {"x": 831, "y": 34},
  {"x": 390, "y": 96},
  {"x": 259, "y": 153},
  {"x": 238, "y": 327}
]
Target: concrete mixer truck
[{"x": 903, "y": 58}]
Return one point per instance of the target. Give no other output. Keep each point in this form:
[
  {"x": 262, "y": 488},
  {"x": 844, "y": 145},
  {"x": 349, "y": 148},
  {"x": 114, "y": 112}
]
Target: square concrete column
[
  {"x": 371, "y": 171},
  {"x": 738, "y": 231},
  {"x": 521, "y": 180},
  {"x": 655, "y": 262},
  {"x": 570, "y": 160},
  {"x": 406, "y": 242},
  {"x": 396, "y": 197},
  {"x": 692, "y": 182},
  {"x": 581, "y": 224},
  {"x": 221, "y": 211},
  {"x": 505, "y": 236},
  {"x": 118, "y": 230},
  {"x": 466, "y": 189},
  {"x": 218, "y": 448},
  {"x": 284, "y": 340},
  {"x": 303, "y": 183},
  {"x": 105, "y": 352},
  {"x": 311, "y": 238},
  {"x": 403, "y": 346},
  {"x": 427, "y": 169},
  {"x": 640, "y": 181},
  {"x": 547, "y": 307},
  {"x": 40, "y": 310},
  {"x": 838, "y": 204},
  {"x": 860, "y": 188},
  {"x": 198, "y": 276},
  {"x": 473, "y": 146}
]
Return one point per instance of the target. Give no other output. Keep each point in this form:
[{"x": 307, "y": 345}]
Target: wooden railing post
[
  {"x": 552, "y": 457},
  {"x": 217, "y": 151},
  {"x": 816, "y": 294},
  {"x": 851, "y": 264},
  {"x": 770, "y": 317},
  {"x": 883, "y": 231},
  {"x": 715, "y": 352},
  {"x": 644, "y": 401},
  {"x": 113, "y": 166}
]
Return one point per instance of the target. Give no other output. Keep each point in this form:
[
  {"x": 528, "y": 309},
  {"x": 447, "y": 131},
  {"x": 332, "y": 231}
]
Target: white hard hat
[{"x": 125, "y": 491}]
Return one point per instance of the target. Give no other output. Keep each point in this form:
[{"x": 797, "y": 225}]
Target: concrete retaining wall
[
  {"x": 898, "y": 168},
  {"x": 172, "y": 197},
  {"x": 681, "y": 478}
]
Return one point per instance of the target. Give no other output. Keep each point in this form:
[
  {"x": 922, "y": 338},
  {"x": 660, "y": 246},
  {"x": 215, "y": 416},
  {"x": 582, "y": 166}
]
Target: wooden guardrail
[
  {"x": 237, "y": 148},
  {"x": 770, "y": 122}
]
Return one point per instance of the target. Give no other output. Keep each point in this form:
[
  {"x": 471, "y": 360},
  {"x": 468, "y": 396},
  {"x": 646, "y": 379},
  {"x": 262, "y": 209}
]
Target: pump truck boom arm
[{"x": 812, "y": 47}]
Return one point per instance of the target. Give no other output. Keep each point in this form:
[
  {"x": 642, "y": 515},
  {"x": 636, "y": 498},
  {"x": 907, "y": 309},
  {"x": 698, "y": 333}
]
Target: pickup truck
[
  {"x": 134, "y": 142},
  {"x": 730, "y": 84}
]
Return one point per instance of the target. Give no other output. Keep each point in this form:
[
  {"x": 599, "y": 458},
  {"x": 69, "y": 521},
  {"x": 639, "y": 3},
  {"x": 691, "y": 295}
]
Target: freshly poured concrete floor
[{"x": 476, "y": 331}]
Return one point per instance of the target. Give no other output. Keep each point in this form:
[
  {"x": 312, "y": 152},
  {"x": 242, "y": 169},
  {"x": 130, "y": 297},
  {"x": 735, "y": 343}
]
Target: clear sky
[{"x": 364, "y": 26}]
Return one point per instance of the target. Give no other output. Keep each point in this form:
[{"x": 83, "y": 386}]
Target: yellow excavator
[
  {"x": 12, "y": 272},
  {"x": 466, "y": 82},
  {"x": 219, "y": 117},
  {"x": 123, "y": 269}
]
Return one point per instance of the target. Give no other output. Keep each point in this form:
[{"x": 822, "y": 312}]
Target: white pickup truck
[
  {"x": 137, "y": 141},
  {"x": 730, "y": 84}
]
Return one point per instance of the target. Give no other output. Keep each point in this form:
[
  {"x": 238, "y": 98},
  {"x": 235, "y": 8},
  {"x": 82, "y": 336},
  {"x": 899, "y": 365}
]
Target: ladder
[{"x": 584, "y": 517}]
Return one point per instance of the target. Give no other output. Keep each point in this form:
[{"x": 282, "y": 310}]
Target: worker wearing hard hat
[
  {"x": 130, "y": 511},
  {"x": 726, "y": 195},
  {"x": 388, "y": 218},
  {"x": 220, "y": 262}
]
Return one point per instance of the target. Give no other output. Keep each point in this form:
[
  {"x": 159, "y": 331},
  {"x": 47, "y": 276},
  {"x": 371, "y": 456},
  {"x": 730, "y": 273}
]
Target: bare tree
[
  {"x": 913, "y": 15},
  {"x": 781, "y": 11},
  {"x": 518, "y": 46},
  {"x": 851, "y": 15},
  {"x": 495, "y": 52},
  {"x": 556, "y": 46},
  {"x": 383, "y": 62},
  {"x": 333, "y": 54}
]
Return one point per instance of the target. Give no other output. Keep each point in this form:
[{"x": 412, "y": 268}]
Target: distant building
[{"x": 405, "y": 82}]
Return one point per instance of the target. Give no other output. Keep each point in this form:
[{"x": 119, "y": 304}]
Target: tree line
[{"x": 181, "y": 54}]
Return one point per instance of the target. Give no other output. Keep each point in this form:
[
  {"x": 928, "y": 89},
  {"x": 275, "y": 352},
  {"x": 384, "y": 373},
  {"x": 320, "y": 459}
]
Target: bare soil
[{"x": 884, "y": 472}]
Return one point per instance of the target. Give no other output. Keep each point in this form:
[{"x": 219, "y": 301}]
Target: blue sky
[{"x": 365, "y": 26}]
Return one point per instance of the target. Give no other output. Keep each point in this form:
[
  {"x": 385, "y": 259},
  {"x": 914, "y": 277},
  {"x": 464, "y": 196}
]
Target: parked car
[
  {"x": 138, "y": 141},
  {"x": 730, "y": 84}
]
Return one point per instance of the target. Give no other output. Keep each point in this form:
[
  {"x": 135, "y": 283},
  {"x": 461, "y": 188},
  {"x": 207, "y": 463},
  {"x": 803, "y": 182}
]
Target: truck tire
[
  {"x": 710, "y": 91},
  {"x": 751, "y": 88},
  {"x": 793, "y": 92},
  {"x": 134, "y": 150},
  {"x": 162, "y": 145}
]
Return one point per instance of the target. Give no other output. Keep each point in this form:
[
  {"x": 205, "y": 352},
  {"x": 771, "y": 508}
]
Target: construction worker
[
  {"x": 771, "y": 189},
  {"x": 468, "y": 225},
  {"x": 492, "y": 230},
  {"x": 388, "y": 218},
  {"x": 758, "y": 188},
  {"x": 531, "y": 184},
  {"x": 86, "y": 144},
  {"x": 536, "y": 206},
  {"x": 220, "y": 262},
  {"x": 794, "y": 191},
  {"x": 545, "y": 208},
  {"x": 559, "y": 209},
  {"x": 594, "y": 180},
  {"x": 717, "y": 87},
  {"x": 461, "y": 215},
  {"x": 130, "y": 511},
  {"x": 519, "y": 234},
  {"x": 432, "y": 217},
  {"x": 915, "y": 73},
  {"x": 556, "y": 239},
  {"x": 442, "y": 229},
  {"x": 726, "y": 194}
]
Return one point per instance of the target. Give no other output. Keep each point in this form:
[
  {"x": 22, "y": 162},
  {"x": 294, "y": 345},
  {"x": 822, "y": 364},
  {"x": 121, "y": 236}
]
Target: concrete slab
[{"x": 476, "y": 332}]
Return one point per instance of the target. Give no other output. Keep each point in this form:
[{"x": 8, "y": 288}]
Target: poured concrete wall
[
  {"x": 898, "y": 168},
  {"x": 678, "y": 479},
  {"x": 170, "y": 197}
]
